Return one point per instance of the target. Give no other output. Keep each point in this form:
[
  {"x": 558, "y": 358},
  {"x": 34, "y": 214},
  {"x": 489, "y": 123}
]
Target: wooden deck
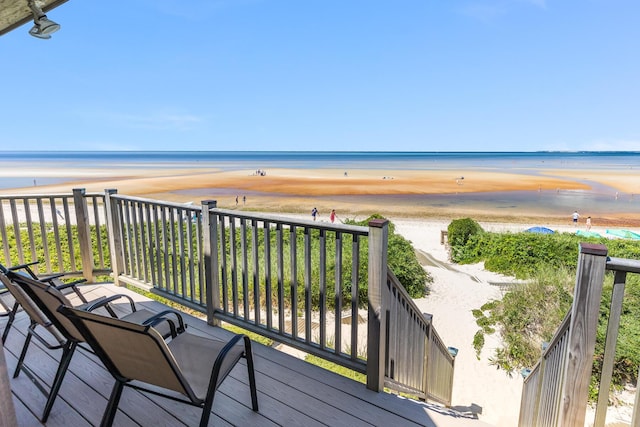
[{"x": 291, "y": 392}]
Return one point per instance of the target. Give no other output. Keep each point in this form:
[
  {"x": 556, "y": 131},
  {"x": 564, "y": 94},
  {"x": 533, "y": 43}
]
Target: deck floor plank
[{"x": 291, "y": 392}]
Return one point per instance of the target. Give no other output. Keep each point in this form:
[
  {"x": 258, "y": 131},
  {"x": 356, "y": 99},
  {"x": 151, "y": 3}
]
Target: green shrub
[
  {"x": 402, "y": 260},
  {"x": 528, "y": 315},
  {"x": 460, "y": 230}
]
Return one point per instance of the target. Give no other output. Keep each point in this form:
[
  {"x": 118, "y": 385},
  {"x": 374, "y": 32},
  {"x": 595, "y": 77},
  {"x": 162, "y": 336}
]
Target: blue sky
[{"x": 372, "y": 75}]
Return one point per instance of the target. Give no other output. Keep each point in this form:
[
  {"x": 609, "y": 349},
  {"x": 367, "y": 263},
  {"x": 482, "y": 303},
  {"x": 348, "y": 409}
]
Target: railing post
[
  {"x": 582, "y": 334},
  {"x": 84, "y": 233},
  {"x": 211, "y": 275},
  {"x": 114, "y": 232},
  {"x": 377, "y": 316},
  {"x": 427, "y": 349},
  {"x": 8, "y": 418}
]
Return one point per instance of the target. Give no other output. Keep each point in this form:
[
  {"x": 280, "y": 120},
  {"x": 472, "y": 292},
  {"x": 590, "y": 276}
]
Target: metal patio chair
[
  {"x": 190, "y": 365},
  {"x": 43, "y": 301},
  {"x": 19, "y": 301}
]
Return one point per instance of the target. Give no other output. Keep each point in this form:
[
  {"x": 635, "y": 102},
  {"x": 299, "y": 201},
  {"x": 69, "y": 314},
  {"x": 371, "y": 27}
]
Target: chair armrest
[
  {"x": 158, "y": 317},
  {"x": 73, "y": 286},
  {"x": 68, "y": 285},
  {"x": 26, "y": 267},
  {"x": 105, "y": 301},
  {"x": 153, "y": 321},
  {"x": 21, "y": 266},
  {"x": 50, "y": 277}
]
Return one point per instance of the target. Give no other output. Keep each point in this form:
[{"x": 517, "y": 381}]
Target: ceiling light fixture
[{"x": 42, "y": 26}]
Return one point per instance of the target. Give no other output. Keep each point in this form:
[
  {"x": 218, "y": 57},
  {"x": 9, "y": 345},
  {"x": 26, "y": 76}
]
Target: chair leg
[
  {"x": 112, "y": 405},
  {"x": 251, "y": 372},
  {"x": 12, "y": 316},
  {"x": 23, "y": 353},
  {"x": 206, "y": 410},
  {"x": 110, "y": 311},
  {"x": 67, "y": 353}
]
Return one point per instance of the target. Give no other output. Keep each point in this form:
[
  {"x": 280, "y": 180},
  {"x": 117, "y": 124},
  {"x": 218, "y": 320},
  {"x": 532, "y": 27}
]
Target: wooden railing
[
  {"x": 158, "y": 246},
  {"x": 66, "y": 232},
  {"x": 555, "y": 392},
  {"x": 418, "y": 361},
  {"x": 299, "y": 282}
]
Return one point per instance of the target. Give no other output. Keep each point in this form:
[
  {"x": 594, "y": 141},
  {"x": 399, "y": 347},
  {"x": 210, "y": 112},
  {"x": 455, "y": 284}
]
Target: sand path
[{"x": 456, "y": 290}]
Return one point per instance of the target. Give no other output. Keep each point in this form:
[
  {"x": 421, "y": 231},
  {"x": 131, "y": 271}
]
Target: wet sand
[{"x": 363, "y": 192}]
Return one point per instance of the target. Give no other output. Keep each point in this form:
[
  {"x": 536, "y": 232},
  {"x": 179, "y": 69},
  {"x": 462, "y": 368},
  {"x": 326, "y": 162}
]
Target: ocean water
[
  {"x": 599, "y": 200},
  {"x": 328, "y": 159}
]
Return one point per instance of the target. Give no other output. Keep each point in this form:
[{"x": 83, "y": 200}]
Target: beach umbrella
[
  {"x": 625, "y": 234},
  {"x": 587, "y": 233},
  {"x": 540, "y": 230}
]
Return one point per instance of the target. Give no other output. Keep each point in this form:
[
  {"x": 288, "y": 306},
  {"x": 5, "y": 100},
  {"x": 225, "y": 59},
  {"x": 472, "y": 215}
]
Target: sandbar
[{"x": 357, "y": 194}]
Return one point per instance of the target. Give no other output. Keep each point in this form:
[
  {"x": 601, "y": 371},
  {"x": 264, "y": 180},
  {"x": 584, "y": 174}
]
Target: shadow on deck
[{"x": 291, "y": 392}]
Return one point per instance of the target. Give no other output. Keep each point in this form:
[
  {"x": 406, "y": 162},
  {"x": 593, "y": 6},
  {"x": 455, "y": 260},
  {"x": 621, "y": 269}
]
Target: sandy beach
[
  {"x": 457, "y": 289},
  {"x": 398, "y": 193}
]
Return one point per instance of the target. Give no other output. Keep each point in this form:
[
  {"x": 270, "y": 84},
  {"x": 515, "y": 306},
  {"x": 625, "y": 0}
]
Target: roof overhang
[{"x": 14, "y": 13}]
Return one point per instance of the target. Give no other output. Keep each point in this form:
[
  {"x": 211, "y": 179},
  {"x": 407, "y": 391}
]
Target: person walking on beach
[
  {"x": 236, "y": 200},
  {"x": 588, "y": 223},
  {"x": 332, "y": 216},
  {"x": 244, "y": 200},
  {"x": 575, "y": 217},
  {"x": 314, "y": 213}
]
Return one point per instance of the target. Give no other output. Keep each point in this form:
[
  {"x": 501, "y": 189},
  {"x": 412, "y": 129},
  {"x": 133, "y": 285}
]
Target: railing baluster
[
  {"x": 224, "y": 265},
  {"x": 307, "y": 285},
  {"x": 157, "y": 248},
  {"x": 293, "y": 240},
  {"x": 16, "y": 231},
  {"x": 144, "y": 247},
  {"x": 200, "y": 256},
  {"x": 322, "y": 277},
  {"x": 245, "y": 269},
  {"x": 69, "y": 233},
  {"x": 267, "y": 274},
  {"x": 255, "y": 272},
  {"x": 355, "y": 302},
  {"x": 98, "y": 226},
  {"x": 29, "y": 227},
  {"x": 174, "y": 252},
  {"x": 338, "y": 293},
  {"x": 182, "y": 226},
  {"x": 280, "y": 276},
  {"x": 190, "y": 256},
  {"x": 166, "y": 241},
  {"x": 137, "y": 233},
  {"x": 56, "y": 232},
  {"x": 128, "y": 246},
  {"x": 234, "y": 265},
  {"x": 5, "y": 238},
  {"x": 150, "y": 245},
  {"x": 43, "y": 234}
]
